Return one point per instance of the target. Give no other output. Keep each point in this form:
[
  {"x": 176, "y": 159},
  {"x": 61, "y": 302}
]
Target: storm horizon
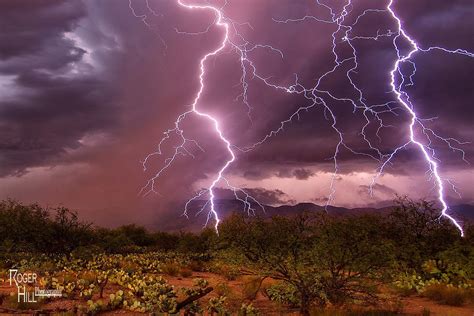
[{"x": 89, "y": 88}]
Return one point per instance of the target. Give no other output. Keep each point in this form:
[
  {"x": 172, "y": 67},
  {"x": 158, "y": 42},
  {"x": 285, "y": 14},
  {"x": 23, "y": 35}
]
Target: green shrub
[
  {"x": 435, "y": 275},
  {"x": 33, "y": 228},
  {"x": 248, "y": 310},
  {"x": 216, "y": 305},
  {"x": 86, "y": 252},
  {"x": 283, "y": 293}
]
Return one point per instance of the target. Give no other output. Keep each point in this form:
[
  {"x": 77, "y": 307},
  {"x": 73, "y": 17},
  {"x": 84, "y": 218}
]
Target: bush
[
  {"x": 328, "y": 260},
  {"x": 137, "y": 235},
  {"x": 216, "y": 305},
  {"x": 170, "y": 268},
  {"x": 113, "y": 241},
  {"x": 32, "y": 228},
  {"x": 248, "y": 310},
  {"x": 197, "y": 266},
  {"x": 193, "y": 243},
  {"x": 316, "y": 259},
  {"x": 419, "y": 233},
  {"x": 283, "y": 293},
  {"x": 435, "y": 273},
  {"x": 86, "y": 252},
  {"x": 447, "y": 294},
  {"x": 230, "y": 273},
  {"x": 165, "y": 241},
  {"x": 222, "y": 289}
]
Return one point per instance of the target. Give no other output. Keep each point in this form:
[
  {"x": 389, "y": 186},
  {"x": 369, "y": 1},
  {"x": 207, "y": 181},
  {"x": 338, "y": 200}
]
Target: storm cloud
[{"x": 88, "y": 88}]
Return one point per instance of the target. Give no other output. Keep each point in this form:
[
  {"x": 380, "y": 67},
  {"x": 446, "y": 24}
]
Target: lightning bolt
[
  {"x": 317, "y": 97},
  {"x": 404, "y": 99},
  {"x": 182, "y": 148}
]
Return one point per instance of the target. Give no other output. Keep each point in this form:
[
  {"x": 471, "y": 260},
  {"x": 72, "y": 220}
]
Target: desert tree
[{"x": 323, "y": 259}]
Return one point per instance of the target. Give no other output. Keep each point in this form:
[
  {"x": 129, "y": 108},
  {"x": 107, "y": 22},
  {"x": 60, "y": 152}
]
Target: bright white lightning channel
[{"x": 316, "y": 95}]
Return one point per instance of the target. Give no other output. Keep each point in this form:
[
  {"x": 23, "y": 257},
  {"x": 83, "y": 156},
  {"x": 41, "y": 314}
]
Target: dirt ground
[{"x": 413, "y": 305}]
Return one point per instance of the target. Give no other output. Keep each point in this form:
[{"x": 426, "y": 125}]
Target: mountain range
[{"x": 196, "y": 220}]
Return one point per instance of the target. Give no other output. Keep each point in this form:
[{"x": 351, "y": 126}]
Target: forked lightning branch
[{"x": 404, "y": 47}]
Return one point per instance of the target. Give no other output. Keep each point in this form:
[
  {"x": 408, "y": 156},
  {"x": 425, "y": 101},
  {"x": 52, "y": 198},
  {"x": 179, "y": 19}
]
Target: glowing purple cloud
[{"x": 317, "y": 97}]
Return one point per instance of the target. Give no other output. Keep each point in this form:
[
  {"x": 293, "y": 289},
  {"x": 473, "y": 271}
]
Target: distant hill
[
  {"x": 196, "y": 220},
  {"x": 227, "y": 207}
]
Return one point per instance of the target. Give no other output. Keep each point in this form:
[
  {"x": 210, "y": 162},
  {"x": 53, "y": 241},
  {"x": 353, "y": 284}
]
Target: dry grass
[
  {"x": 448, "y": 295},
  {"x": 229, "y": 272},
  {"x": 197, "y": 266},
  {"x": 185, "y": 272},
  {"x": 170, "y": 268},
  {"x": 380, "y": 312},
  {"x": 251, "y": 287}
]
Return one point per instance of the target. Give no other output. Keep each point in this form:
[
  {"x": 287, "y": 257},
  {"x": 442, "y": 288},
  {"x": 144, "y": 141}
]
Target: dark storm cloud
[
  {"x": 299, "y": 173},
  {"x": 29, "y": 26},
  {"x": 256, "y": 172},
  {"x": 116, "y": 77},
  {"x": 263, "y": 196},
  {"x": 442, "y": 90},
  {"x": 309, "y": 140},
  {"x": 38, "y": 130},
  {"x": 57, "y": 103}
]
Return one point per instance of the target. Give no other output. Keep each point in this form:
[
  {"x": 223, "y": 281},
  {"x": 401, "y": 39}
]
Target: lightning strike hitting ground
[
  {"x": 404, "y": 99},
  {"x": 316, "y": 97}
]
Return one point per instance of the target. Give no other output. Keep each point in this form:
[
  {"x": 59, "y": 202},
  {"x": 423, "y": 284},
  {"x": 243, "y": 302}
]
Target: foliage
[
  {"x": 223, "y": 289},
  {"x": 53, "y": 231},
  {"x": 309, "y": 260},
  {"x": 141, "y": 288},
  {"x": 229, "y": 272},
  {"x": 325, "y": 260},
  {"x": 433, "y": 273},
  {"x": 283, "y": 293},
  {"x": 419, "y": 233},
  {"x": 170, "y": 268},
  {"x": 34, "y": 228},
  {"x": 216, "y": 306},
  {"x": 248, "y": 310}
]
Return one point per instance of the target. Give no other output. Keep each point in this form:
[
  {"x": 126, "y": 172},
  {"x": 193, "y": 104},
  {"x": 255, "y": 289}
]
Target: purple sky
[{"x": 87, "y": 90}]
